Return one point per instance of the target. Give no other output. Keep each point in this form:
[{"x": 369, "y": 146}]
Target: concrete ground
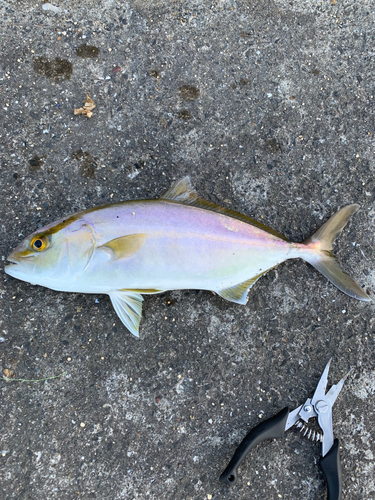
[{"x": 269, "y": 107}]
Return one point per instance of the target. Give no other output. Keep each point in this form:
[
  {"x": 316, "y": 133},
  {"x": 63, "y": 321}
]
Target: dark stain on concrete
[
  {"x": 87, "y": 51},
  {"x": 155, "y": 73},
  {"x": 246, "y": 34},
  {"x": 272, "y": 146},
  {"x": 87, "y": 163},
  {"x": 184, "y": 114},
  {"x": 189, "y": 93},
  {"x": 35, "y": 163},
  {"x": 58, "y": 69}
]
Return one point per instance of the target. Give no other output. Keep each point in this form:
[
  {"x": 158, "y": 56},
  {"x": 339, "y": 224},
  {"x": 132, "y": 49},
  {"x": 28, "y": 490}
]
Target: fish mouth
[
  {"x": 13, "y": 261},
  {"x": 14, "y": 267},
  {"x": 11, "y": 267},
  {"x": 19, "y": 271}
]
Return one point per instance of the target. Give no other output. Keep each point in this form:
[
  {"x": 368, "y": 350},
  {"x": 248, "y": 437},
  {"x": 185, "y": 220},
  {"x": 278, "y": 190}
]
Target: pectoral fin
[
  {"x": 128, "y": 306},
  {"x": 125, "y": 246},
  {"x": 238, "y": 293}
]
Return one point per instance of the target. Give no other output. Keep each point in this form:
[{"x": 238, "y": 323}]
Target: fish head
[{"x": 54, "y": 256}]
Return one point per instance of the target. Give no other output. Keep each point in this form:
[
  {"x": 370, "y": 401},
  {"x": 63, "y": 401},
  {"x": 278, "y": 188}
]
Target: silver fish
[{"x": 179, "y": 241}]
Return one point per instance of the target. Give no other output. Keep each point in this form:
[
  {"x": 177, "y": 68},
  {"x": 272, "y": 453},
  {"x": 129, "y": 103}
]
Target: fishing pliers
[{"x": 320, "y": 406}]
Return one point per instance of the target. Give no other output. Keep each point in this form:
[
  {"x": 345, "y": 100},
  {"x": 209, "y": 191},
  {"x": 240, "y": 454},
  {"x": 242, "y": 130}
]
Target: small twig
[{"x": 7, "y": 379}]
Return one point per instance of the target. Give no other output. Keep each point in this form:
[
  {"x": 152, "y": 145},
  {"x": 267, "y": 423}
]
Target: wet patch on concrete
[
  {"x": 58, "y": 69},
  {"x": 87, "y": 51},
  {"x": 189, "y": 93},
  {"x": 272, "y": 146},
  {"x": 35, "y": 163},
  {"x": 246, "y": 34},
  {"x": 87, "y": 163},
  {"x": 184, "y": 114},
  {"x": 155, "y": 73}
]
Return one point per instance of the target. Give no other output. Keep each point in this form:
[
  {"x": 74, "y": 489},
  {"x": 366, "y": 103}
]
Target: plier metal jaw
[{"x": 320, "y": 406}]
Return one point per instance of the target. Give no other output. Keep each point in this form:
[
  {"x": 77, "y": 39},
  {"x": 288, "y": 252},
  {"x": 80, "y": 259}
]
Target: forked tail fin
[{"x": 322, "y": 258}]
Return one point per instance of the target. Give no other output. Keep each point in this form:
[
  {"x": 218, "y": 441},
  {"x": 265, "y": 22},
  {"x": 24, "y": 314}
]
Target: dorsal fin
[{"x": 182, "y": 192}]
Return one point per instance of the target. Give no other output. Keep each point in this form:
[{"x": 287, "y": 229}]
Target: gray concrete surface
[{"x": 269, "y": 107}]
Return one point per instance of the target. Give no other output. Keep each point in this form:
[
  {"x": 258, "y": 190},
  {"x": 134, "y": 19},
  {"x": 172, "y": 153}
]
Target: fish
[{"x": 177, "y": 242}]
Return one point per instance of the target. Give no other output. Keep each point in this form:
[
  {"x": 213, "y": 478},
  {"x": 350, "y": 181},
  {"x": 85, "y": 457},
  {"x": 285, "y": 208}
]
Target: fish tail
[{"x": 322, "y": 258}]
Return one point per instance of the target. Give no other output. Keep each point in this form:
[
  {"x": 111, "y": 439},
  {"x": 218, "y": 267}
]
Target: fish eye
[{"x": 39, "y": 243}]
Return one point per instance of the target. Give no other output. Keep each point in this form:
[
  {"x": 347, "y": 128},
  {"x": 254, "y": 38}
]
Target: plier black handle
[{"x": 320, "y": 406}]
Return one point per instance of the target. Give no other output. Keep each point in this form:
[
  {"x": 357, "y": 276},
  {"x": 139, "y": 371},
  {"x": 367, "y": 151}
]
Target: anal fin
[
  {"x": 238, "y": 293},
  {"x": 128, "y": 306}
]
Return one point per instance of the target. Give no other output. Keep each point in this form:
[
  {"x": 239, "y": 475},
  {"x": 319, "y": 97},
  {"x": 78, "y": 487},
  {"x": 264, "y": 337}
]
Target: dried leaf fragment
[
  {"x": 87, "y": 107},
  {"x": 7, "y": 373}
]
